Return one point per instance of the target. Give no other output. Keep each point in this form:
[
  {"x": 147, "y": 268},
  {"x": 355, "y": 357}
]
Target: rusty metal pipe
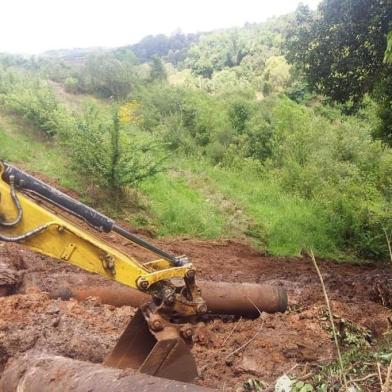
[
  {"x": 242, "y": 299},
  {"x": 39, "y": 372},
  {"x": 110, "y": 295}
]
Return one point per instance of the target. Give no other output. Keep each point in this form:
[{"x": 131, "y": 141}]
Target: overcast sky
[{"x": 33, "y": 26}]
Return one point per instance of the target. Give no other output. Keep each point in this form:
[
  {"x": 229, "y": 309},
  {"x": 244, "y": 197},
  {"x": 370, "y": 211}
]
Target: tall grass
[
  {"x": 285, "y": 223},
  {"x": 22, "y": 144},
  {"x": 179, "y": 209}
]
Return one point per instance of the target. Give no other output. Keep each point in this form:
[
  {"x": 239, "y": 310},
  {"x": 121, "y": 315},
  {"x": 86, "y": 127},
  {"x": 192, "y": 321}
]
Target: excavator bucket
[{"x": 162, "y": 354}]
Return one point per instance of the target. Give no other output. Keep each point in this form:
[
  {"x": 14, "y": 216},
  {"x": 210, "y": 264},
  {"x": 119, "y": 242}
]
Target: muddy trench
[{"x": 264, "y": 349}]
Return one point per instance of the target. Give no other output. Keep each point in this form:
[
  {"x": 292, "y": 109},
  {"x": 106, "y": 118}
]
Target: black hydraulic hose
[
  {"x": 175, "y": 260},
  {"x": 27, "y": 235},
  {"x": 17, "y": 205},
  {"x": 29, "y": 184}
]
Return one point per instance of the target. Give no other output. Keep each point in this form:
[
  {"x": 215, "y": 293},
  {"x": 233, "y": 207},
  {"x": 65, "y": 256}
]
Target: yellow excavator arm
[
  {"x": 157, "y": 340},
  {"x": 30, "y": 214},
  {"x": 55, "y": 236}
]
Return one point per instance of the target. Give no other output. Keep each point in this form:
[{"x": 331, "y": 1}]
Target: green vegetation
[
  {"x": 179, "y": 209},
  {"x": 34, "y": 100},
  {"x": 341, "y": 49},
  {"x": 110, "y": 155},
  {"x": 388, "y": 51},
  {"x": 285, "y": 223},
  {"x": 34, "y": 152},
  {"x": 222, "y": 134}
]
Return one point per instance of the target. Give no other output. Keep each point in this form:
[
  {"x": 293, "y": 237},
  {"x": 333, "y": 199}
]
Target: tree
[
  {"x": 388, "y": 51},
  {"x": 216, "y": 51},
  {"x": 276, "y": 73},
  {"x": 208, "y": 55},
  {"x": 110, "y": 154},
  {"x": 71, "y": 85},
  {"x": 341, "y": 47},
  {"x": 172, "y": 49},
  {"x": 108, "y": 76},
  {"x": 158, "y": 71},
  {"x": 384, "y": 131}
]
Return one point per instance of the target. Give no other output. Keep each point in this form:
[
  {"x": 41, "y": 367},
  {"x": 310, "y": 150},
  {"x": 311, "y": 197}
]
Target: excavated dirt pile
[{"x": 263, "y": 349}]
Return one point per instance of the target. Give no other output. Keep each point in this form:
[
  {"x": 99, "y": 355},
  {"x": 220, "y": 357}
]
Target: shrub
[
  {"x": 185, "y": 119},
  {"x": 107, "y": 76},
  {"x": 112, "y": 156},
  {"x": 215, "y": 151},
  {"x": 337, "y": 164},
  {"x": 239, "y": 113},
  {"x": 35, "y": 101},
  {"x": 71, "y": 85}
]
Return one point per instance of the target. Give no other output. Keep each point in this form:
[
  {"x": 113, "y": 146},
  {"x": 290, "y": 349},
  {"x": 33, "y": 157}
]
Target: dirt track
[{"x": 272, "y": 345}]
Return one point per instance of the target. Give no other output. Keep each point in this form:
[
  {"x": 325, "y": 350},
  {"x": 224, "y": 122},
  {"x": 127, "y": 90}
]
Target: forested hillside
[{"x": 278, "y": 133}]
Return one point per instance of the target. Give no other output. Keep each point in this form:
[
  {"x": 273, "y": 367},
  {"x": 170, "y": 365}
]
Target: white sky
[{"x": 33, "y": 26}]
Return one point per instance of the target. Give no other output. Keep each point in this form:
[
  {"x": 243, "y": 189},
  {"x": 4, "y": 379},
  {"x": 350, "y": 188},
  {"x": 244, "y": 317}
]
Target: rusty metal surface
[
  {"x": 243, "y": 298},
  {"x": 163, "y": 354},
  {"x": 172, "y": 359},
  {"x": 111, "y": 295},
  {"x": 240, "y": 299},
  {"x": 134, "y": 345},
  {"x": 38, "y": 372}
]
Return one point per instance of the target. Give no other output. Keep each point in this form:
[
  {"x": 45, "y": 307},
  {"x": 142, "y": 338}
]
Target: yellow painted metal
[
  {"x": 157, "y": 264},
  {"x": 64, "y": 240},
  {"x": 175, "y": 272}
]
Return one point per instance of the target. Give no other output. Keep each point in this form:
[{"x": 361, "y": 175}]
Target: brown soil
[{"x": 264, "y": 348}]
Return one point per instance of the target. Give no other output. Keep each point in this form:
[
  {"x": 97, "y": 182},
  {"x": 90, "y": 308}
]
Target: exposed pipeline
[
  {"x": 39, "y": 372},
  {"x": 240, "y": 299}
]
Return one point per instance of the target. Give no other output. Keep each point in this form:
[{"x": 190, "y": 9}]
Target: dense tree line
[
  {"x": 173, "y": 48},
  {"x": 340, "y": 49}
]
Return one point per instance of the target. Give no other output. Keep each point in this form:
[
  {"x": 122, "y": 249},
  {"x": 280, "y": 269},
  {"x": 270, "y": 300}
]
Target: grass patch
[
  {"x": 281, "y": 223},
  {"x": 284, "y": 223},
  {"x": 179, "y": 209},
  {"x": 76, "y": 102},
  {"x": 22, "y": 145}
]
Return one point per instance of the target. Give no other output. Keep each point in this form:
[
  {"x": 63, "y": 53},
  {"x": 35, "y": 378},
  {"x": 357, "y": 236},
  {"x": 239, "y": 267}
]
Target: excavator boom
[{"x": 157, "y": 339}]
